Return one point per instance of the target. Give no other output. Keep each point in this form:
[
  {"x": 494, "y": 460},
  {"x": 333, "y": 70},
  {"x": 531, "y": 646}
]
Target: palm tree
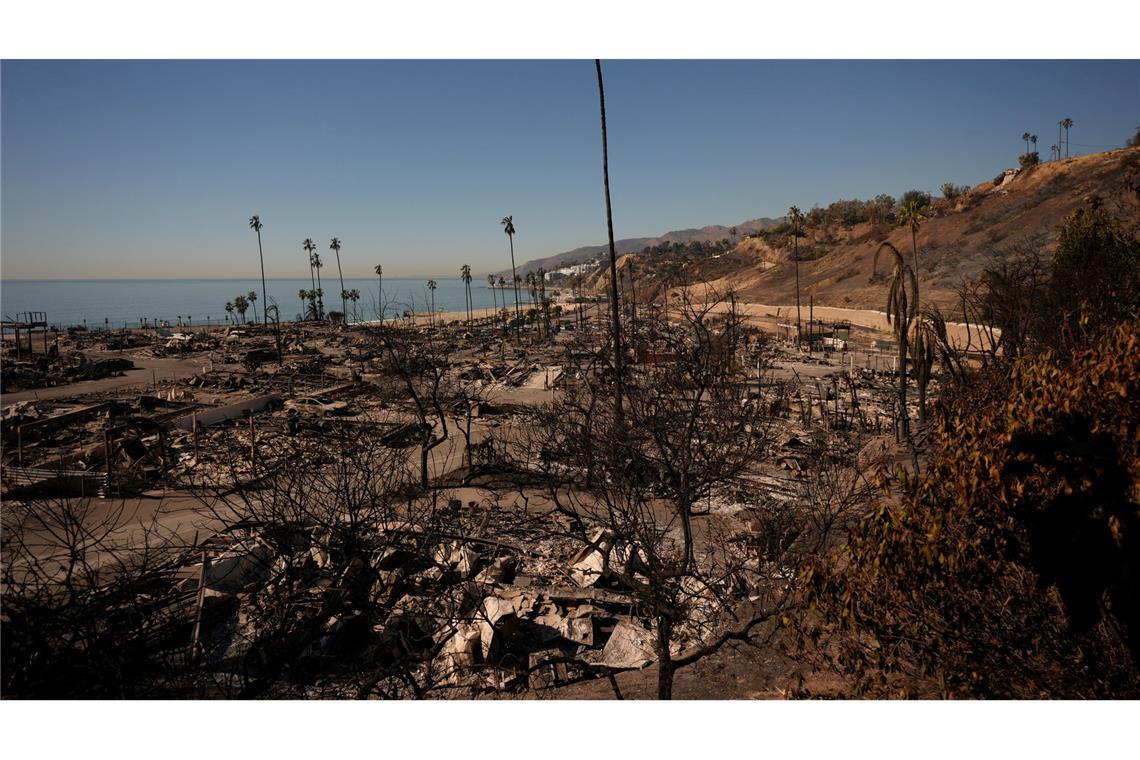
[
  {"x": 354, "y": 296},
  {"x": 1025, "y": 137},
  {"x": 1066, "y": 123},
  {"x": 431, "y": 289},
  {"x": 315, "y": 259},
  {"x": 502, "y": 285},
  {"x": 334, "y": 244},
  {"x": 797, "y": 219},
  {"x": 901, "y": 310},
  {"x": 509, "y": 228},
  {"x": 912, "y": 214},
  {"x": 256, "y": 225},
  {"x": 301, "y": 294},
  {"x": 614, "y": 313},
  {"x": 229, "y": 309},
  {"x": 379, "y": 270},
  {"x": 310, "y": 247},
  {"x": 1033, "y": 139},
  {"x": 465, "y": 275},
  {"x": 252, "y": 298},
  {"x": 494, "y": 299},
  {"x": 241, "y": 304},
  {"x": 1054, "y": 152}
]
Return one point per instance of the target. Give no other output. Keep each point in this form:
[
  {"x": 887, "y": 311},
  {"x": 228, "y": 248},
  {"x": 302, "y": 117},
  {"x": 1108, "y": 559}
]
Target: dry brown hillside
[{"x": 989, "y": 220}]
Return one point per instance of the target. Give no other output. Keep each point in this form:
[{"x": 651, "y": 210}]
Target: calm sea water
[{"x": 121, "y": 303}]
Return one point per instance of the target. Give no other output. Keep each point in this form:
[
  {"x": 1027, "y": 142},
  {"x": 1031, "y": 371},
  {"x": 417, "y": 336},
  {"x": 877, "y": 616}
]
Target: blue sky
[{"x": 152, "y": 168}]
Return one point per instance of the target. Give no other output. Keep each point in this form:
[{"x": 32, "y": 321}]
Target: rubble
[{"x": 629, "y": 646}]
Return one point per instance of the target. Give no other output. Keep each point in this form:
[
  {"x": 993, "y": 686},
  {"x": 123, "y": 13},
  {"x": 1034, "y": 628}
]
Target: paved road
[{"x": 146, "y": 369}]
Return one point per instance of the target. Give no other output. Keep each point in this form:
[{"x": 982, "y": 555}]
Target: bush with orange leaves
[{"x": 1010, "y": 566}]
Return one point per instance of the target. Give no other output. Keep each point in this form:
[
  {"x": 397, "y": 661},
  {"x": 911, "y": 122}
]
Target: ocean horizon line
[{"x": 224, "y": 279}]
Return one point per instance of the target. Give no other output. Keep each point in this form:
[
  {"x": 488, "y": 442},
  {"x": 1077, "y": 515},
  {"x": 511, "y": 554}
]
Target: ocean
[{"x": 123, "y": 303}]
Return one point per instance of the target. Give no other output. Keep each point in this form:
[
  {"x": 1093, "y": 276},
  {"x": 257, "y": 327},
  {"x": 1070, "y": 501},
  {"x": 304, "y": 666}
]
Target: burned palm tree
[
  {"x": 509, "y": 228},
  {"x": 796, "y": 217},
  {"x": 310, "y": 247},
  {"x": 465, "y": 276},
  {"x": 431, "y": 284},
  {"x": 494, "y": 299},
  {"x": 902, "y": 306},
  {"x": 334, "y": 245},
  {"x": 317, "y": 264},
  {"x": 256, "y": 225},
  {"x": 615, "y": 314}
]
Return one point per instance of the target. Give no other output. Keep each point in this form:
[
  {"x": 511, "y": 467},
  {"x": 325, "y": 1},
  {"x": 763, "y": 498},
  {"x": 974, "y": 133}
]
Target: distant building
[{"x": 583, "y": 268}]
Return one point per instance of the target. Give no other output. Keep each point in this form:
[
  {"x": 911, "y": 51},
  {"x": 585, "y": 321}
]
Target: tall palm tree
[
  {"x": 310, "y": 247},
  {"x": 465, "y": 275},
  {"x": 1033, "y": 139},
  {"x": 334, "y": 244},
  {"x": 1066, "y": 123},
  {"x": 256, "y": 225},
  {"x": 251, "y": 296},
  {"x": 315, "y": 258},
  {"x": 494, "y": 299},
  {"x": 431, "y": 289},
  {"x": 302, "y": 293},
  {"x": 796, "y": 217},
  {"x": 1025, "y": 137},
  {"x": 912, "y": 214},
  {"x": 229, "y": 309},
  {"x": 379, "y": 270},
  {"x": 509, "y": 228},
  {"x": 901, "y": 310},
  {"x": 614, "y": 306}
]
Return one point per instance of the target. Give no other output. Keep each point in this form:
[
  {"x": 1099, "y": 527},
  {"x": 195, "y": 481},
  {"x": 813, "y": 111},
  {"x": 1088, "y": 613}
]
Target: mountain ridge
[{"x": 585, "y": 253}]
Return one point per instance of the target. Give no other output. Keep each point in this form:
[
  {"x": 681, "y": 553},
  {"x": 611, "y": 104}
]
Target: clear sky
[{"x": 152, "y": 168}]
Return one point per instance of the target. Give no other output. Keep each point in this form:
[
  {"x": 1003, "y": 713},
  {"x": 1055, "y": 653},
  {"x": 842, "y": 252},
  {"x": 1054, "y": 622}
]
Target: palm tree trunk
[
  {"x": 914, "y": 260},
  {"x": 340, "y": 274},
  {"x": 614, "y": 306},
  {"x": 796, "y": 254},
  {"x": 381, "y": 296},
  {"x": 313, "y": 281},
  {"x": 261, "y": 256},
  {"x": 515, "y": 282},
  {"x": 904, "y": 420},
  {"x": 320, "y": 298}
]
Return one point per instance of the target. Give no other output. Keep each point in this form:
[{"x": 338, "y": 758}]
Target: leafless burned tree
[{"x": 634, "y": 489}]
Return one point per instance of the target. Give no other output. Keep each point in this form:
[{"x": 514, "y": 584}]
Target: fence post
[{"x": 200, "y": 604}]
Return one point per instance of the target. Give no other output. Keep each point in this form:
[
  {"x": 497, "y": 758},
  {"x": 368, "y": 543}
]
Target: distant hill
[{"x": 633, "y": 245}]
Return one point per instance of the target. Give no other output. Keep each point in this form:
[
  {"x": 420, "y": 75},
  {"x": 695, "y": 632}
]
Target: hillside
[
  {"x": 992, "y": 220},
  {"x": 584, "y": 253}
]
